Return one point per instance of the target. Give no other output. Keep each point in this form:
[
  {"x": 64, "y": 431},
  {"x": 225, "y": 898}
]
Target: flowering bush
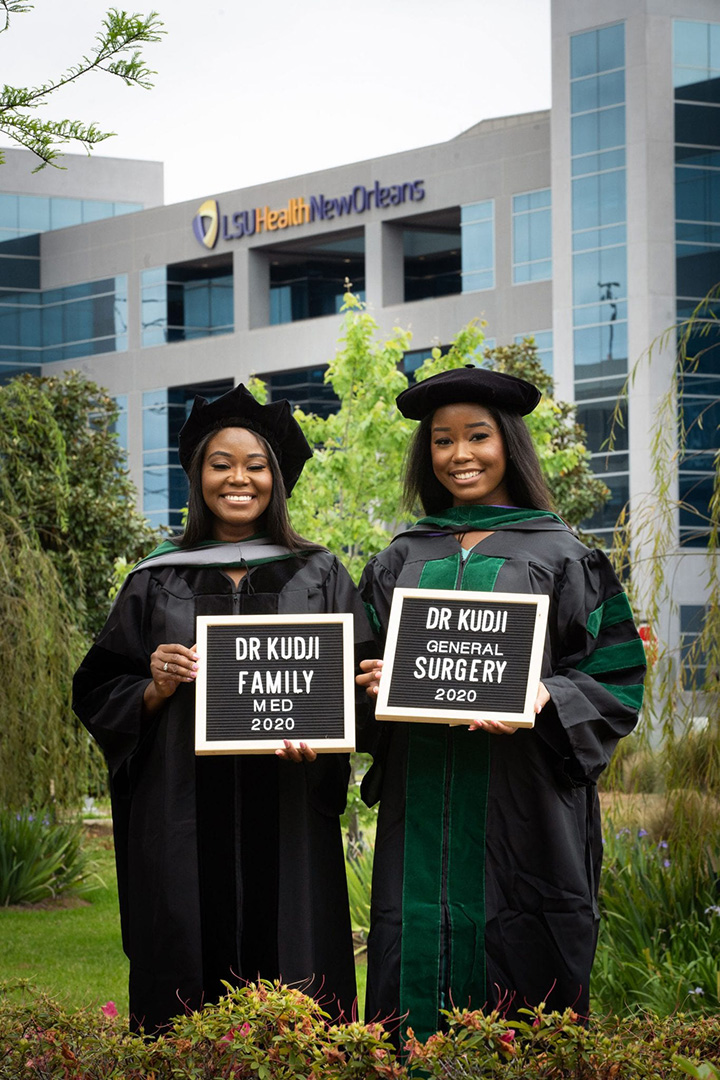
[{"x": 274, "y": 1032}]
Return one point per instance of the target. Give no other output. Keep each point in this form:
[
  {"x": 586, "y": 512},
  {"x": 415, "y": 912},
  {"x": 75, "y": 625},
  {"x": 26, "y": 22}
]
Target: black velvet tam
[
  {"x": 238, "y": 408},
  {"x": 469, "y": 383}
]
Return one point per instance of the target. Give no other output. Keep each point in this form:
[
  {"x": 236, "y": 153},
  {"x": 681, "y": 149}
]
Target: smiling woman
[
  {"x": 468, "y": 454},
  {"x": 229, "y": 867},
  {"x": 488, "y": 848},
  {"x": 237, "y": 482}
]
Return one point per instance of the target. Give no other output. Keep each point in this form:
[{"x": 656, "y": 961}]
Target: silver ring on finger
[{"x": 165, "y": 666}]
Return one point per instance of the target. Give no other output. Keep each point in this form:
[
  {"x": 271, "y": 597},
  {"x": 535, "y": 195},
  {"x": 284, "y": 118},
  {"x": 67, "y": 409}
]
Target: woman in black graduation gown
[
  {"x": 488, "y": 849},
  {"x": 229, "y": 867}
]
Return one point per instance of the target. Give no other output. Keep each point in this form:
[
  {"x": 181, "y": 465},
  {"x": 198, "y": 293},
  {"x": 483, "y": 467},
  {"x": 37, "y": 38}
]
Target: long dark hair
[
  {"x": 276, "y": 523},
  {"x": 524, "y": 481}
]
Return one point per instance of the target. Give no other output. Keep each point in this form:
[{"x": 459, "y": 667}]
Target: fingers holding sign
[
  {"x": 301, "y": 752},
  {"x": 369, "y": 678}
]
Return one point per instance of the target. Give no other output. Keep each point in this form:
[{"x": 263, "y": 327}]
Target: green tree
[
  {"x": 349, "y": 494},
  {"x": 65, "y": 483},
  {"x": 45, "y": 755},
  {"x": 116, "y": 51}
]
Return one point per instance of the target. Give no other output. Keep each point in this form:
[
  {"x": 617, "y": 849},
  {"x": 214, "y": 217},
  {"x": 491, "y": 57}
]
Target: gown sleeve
[
  {"x": 376, "y": 589},
  {"x": 596, "y": 682},
  {"x": 108, "y": 686}
]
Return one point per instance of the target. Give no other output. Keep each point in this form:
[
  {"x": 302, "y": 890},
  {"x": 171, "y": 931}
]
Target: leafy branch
[{"x": 117, "y": 52}]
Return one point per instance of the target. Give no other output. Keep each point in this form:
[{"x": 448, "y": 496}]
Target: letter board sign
[
  {"x": 266, "y": 678},
  {"x": 453, "y": 656}
]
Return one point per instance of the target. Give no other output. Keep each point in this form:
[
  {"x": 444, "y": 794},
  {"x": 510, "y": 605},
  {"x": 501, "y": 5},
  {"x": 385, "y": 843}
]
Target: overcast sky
[{"x": 249, "y": 91}]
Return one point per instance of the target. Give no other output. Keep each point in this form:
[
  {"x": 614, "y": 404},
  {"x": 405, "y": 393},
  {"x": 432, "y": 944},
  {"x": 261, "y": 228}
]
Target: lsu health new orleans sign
[
  {"x": 210, "y": 224},
  {"x": 452, "y": 657},
  {"x": 266, "y": 678}
]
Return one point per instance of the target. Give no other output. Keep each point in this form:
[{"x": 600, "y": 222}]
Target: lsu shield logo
[{"x": 205, "y": 223}]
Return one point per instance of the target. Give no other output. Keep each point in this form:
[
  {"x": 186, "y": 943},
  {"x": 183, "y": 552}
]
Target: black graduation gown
[
  {"x": 488, "y": 847},
  {"x": 228, "y": 866}
]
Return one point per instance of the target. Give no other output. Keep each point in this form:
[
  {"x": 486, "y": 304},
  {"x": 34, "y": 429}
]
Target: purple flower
[
  {"x": 641, "y": 833},
  {"x": 698, "y": 991},
  {"x": 662, "y": 843},
  {"x": 666, "y": 863}
]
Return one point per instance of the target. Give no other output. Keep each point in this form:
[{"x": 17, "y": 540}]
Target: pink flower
[
  {"x": 238, "y": 1029},
  {"x": 109, "y": 1009},
  {"x": 508, "y": 1037}
]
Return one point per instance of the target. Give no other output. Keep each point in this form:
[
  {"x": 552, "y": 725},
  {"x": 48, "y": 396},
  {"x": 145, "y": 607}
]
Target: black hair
[
  {"x": 276, "y": 521},
  {"x": 524, "y": 481}
]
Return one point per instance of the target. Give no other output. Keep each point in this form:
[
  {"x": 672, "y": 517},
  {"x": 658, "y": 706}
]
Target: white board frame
[
  {"x": 524, "y": 719},
  {"x": 345, "y": 743}
]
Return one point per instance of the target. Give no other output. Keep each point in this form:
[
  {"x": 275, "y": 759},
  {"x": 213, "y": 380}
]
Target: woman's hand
[
  {"x": 301, "y": 752},
  {"x": 170, "y": 665},
  {"x": 497, "y": 727},
  {"x": 493, "y": 727},
  {"x": 370, "y": 677}
]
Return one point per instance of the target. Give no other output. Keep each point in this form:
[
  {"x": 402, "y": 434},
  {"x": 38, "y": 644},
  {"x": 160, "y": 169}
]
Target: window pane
[
  {"x": 33, "y": 213},
  {"x": 611, "y": 47}
]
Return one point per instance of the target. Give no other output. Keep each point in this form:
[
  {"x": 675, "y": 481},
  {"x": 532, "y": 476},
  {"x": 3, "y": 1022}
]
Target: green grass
[{"x": 73, "y": 953}]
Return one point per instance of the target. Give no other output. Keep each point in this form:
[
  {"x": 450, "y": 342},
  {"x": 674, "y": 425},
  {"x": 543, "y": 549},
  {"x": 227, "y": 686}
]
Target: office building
[{"x": 592, "y": 226}]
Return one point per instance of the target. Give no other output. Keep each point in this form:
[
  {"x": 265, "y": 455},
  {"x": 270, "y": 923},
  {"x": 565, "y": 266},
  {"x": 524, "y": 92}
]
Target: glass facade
[
  {"x": 693, "y": 662},
  {"x": 304, "y": 388},
  {"x": 121, "y": 424},
  {"x": 187, "y": 301},
  {"x": 597, "y": 95},
  {"x": 431, "y": 262},
  {"x": 307, "y": 280},
  {"x": 42, "y": 326},
  {"x": 696, "y": 78},
  {"x": 164, "y": 482},
  {"x": 22, "y": 215},
  {"x": 477, "y": 225},
  {"x": 532, "y": 236},
  {"x": 543, "y": 342}
]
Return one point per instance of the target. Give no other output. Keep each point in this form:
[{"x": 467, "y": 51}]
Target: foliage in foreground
[
  {"x": 65, "y": 481},
  {"x": 116, "y": 51},
  {"x": 270, "y": 1032},
  {"x": 43, "y": 753},
  {"x": 350, "y": 492},
  {"x": 40, "y": 858},
  {"x": 660, "y": 931}
]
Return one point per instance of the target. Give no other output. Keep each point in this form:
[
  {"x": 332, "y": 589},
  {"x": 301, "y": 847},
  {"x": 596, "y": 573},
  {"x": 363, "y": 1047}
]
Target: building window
[
  {"x": 532, "y": 237},
  {"x": 307, "y": 278},
  {"x": 185, "y": 301},
  {"x": 431, "y": 261},
  {"x": 693, "y": 660},
  {"x": 696, "y": 77},
  {"x": 599, "y": 216},
  {"x": 22, "y": 215},
  {"x": 40, "y": 327},
  {"x": 84, "y": 320},
  {"x": 304, "y": 388},
  {"x": 120, "y": 426},
  {"x": 543, "y": 343},
  {"x": 478, "y": 246},
  {"x": 164, "y": 482}
]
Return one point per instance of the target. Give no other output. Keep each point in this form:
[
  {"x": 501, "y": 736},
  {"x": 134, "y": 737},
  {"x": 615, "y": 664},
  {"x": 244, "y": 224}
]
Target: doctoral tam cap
[
  {"x": 468, "y": 383},
  {"x": 238, "y": 408}
]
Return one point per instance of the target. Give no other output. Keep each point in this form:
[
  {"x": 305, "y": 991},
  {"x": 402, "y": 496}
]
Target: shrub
[
  {"x": 273, "y": 1032},
  {"x": 660, "y": 934},
  {"x": 40, "y": 858}
]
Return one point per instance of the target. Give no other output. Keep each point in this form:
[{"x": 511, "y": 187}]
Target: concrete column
[{"x": 384, "y": 283}]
